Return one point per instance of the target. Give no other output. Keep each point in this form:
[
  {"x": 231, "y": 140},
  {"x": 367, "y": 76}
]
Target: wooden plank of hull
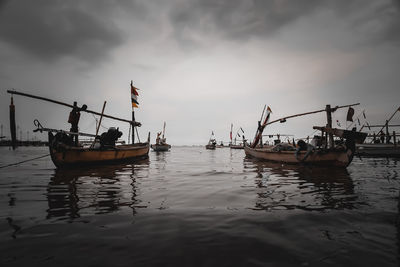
[
  {"x": 156, "y": 147},
  {"x": 378, "y": 150},
  {"x": 83, "y": 156},
  {"x": 331, "y": 158}
]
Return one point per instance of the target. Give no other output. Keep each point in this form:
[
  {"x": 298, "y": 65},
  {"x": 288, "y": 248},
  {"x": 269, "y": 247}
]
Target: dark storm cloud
[
  {"x": 240, "y": 20},
  {"x": 388, "y": 16},
  {"x": 49, "y": 29},
  {"x": 236, "y": 19}
]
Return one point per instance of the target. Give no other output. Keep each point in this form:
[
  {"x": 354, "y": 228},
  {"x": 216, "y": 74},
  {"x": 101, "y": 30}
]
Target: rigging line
[
  {"x": 101, "y": 125},
  {"x": 17, "y": 163}
]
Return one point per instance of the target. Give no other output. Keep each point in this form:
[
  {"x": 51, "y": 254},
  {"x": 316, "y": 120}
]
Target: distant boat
[
  {"x": 66, "y": 150},
  {"x": 221, "y": 145},
  {"x": 161, "y": 142},
  {"x": 384, "y": 144},
  {"x": 233, "y": 144},
  {"x": 212, "y": 143},
  {"x": 324, "y": 153},
  {"x": 378, "y": 150}
]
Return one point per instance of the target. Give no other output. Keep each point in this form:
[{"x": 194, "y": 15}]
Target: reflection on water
[
  {"x": 196, "y": 207},
  {"x": 282, "y": 186},
  {"x": 92, "y": 190}
]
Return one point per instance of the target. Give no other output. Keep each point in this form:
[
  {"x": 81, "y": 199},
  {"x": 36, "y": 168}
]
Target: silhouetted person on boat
[
  {"x": 303, "y": 146},
  {"x": 73, "y": 118},
  {"x": 382, "y": 136},
  {"x": 158, "y": 138}
]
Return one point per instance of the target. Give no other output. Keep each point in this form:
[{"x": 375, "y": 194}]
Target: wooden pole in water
[
  {"x": 387, "y": 132},
  {"x": 394, "y": 138},
  {"x": 12, "y": 125}
]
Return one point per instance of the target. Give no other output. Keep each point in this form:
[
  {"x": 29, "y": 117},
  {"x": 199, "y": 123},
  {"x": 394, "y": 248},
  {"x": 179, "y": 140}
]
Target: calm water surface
[{"x": 196, "y": 207}]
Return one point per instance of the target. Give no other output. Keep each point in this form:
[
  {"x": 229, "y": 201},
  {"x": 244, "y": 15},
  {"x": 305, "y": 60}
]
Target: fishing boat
[
  {"x": 383, "y": 144},
  {"x": 323, "y": 150},
  {"x": 237, "y": 146},
  {"x": 66, "y": 150},
  {"x": 212, "y": 143},
  {"x": 220, "y": 145},
  {"x": 233, "y": 144},
  {"x": 161, "y": 142}
]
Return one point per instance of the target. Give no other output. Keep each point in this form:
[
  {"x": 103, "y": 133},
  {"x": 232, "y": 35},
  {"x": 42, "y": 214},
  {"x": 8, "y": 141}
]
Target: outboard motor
[
  {"x": 108, "y": 138},
  {"x": 59, "y": 140}
]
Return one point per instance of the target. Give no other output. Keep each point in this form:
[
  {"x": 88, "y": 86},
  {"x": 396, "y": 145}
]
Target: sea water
[{"x": 196, "y": 207}]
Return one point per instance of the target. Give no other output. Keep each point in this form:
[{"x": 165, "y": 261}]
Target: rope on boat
[{"x": 17, "y": 163}]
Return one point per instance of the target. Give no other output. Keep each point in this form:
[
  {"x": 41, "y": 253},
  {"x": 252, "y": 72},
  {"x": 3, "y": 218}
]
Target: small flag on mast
[
  {"x": 134, "y": 95},
  {"x": 350, "y": 114}
]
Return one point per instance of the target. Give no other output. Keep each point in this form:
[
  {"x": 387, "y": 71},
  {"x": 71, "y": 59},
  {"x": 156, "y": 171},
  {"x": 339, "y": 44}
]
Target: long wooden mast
[
  {"x": 13, "y": 92},
  {"x": 308, "y": 113}
]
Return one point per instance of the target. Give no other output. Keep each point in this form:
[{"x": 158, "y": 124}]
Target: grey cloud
[
  {"x": 49, "y": 29},
  {"x": 389, "y": 17},
  {"x": 236, "y": 19},
  {"x": 240, "y": 20}
]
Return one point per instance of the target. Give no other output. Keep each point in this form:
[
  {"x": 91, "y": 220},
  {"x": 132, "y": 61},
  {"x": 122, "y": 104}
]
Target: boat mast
[
  {"x": 163, "y": 131},
  {"x": 134, "y": 127}
]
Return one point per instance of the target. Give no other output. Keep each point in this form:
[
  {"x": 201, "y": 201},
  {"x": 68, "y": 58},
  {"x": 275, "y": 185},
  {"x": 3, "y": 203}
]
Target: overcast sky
[{"x": 200, "y": 64}]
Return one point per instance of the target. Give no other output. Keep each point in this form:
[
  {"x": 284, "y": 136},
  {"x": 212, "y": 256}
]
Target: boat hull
[
  {"x": 210, "y": 146},
  {"x": 75, "y": 156},
  {"x": 236, "y": 146},
  {"x": 164, "y": 147},
  {"x": 378, "y": 150},
  {"x": 338, "y": 158}
]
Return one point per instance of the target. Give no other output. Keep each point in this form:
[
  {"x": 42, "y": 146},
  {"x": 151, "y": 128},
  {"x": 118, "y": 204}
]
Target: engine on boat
[
  {"x": 108, "y": 139},
  {"x": 62, "y": 138}
]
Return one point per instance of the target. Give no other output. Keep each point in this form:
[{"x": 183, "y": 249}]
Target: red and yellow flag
[{"x": 134, "y": 95}]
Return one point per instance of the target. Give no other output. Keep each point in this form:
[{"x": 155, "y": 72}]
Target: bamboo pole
[
  {"x": 13, "y": 92},
  {"x": 311, "y": 112},
  {"x": 101, "y": 117},
  {"x": 384, "y": 125}
]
